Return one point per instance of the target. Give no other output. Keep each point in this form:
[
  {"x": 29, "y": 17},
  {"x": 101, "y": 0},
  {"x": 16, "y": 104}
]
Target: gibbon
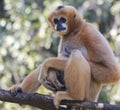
[{"x": 84, "y": 56}]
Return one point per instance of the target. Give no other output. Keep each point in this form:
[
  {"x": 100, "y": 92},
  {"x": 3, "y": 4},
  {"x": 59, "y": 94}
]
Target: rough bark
[{"x": 45, "y": 102}]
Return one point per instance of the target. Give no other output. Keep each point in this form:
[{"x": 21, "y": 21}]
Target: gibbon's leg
[
  {"x": 105, "y": 74},
  {"x": 55, "y": 62},
  {"x": 94, "y": 90},
  {"x": 77, "y": 79},
  {"x": 29, "y": 84}
]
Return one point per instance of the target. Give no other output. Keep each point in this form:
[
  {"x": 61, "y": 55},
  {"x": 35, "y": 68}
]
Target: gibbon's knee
[
  {"x": 115, "y": 73},
  {"x": 111, "y": 73},
  {"x": 77, "y": 58},
  {"x": 77, "y": 76}
]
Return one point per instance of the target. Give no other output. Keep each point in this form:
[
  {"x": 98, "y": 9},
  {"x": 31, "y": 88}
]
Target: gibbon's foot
[
  {"x": 49, "y": 85},
  {"x": 57, "y": 99},
  {"x": 54, "y": 86},
  {"x": 61, "y": 95},
  {"x": 56, "y": 102},
  {"x": 15, "y": 89}
]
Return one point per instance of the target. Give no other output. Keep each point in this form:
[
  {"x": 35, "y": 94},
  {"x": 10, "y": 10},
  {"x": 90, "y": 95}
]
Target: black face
[{"x": 60, "y": 23}]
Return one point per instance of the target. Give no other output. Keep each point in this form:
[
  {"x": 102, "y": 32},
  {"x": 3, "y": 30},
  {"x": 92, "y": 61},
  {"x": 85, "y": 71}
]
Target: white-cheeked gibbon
[{"x": 85, "y": 60}]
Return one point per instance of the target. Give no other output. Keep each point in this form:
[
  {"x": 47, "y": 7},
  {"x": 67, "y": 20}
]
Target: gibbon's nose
[{"x": 60, "y": 27}]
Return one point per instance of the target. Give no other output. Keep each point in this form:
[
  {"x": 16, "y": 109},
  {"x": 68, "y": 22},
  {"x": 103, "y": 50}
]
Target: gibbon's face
[{"x": 62, "y": 19}]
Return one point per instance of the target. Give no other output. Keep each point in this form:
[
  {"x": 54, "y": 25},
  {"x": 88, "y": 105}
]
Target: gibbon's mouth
[{"x": 61, "y": 29}]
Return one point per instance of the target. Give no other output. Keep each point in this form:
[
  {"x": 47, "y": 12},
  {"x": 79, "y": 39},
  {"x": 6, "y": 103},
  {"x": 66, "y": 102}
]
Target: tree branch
[
  {"x": 90, "y": 105},
  {"x": 45, "y": 102}
]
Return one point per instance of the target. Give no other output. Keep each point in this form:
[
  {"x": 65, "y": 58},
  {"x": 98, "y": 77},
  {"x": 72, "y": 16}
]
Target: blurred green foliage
[{"x": 26, "y": 39}]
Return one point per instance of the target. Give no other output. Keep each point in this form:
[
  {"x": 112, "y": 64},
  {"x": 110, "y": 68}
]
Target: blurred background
[{"x": 26, "y": 39}]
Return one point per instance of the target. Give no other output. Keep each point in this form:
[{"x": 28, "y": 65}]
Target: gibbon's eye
[
  {"x": 62, "y": 19},
  {"x": 55, "y": 20},
  {"x": 74, "y": 15}
]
